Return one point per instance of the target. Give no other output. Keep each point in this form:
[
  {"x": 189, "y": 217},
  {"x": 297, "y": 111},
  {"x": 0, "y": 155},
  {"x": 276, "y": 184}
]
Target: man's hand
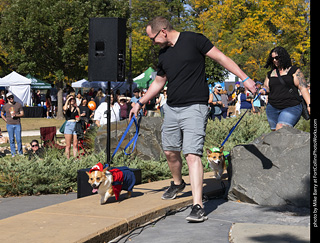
[
  {"x": 251, "y": 85},
  {"x": 134, "y": 111}
]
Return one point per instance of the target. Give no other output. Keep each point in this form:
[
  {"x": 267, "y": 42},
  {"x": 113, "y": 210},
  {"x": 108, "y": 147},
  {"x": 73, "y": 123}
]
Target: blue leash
[
  {"x": 133, "y": 140},
  {"x": 234, "y": 127}
]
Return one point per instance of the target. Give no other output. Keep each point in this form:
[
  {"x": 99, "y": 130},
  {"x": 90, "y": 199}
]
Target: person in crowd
[
  {"x": 71, "y": 111},
  {"x": 123, "y": 102},
  {"x": 85, "y": 113},
  {"x": 48, "y": 104},
  {"x": 54, "y": 100},
  {"x": 162, "y": 100},
  {"x": 136, "y": 97},
  {"x": 245, "y": 102},
  {"x": 100, "y": 115},
  {"x": 2, "y": 101},
  {"x": 215, "y": 102},
  {"x": 78, "y": 98},
  {"x": 235, "y": 93},
  {"x": 13, "y": 112},
  {"x": 100, "y": 97},
  {"x": 284, "y": 108},
  {"x": 225, "y": 106},
  {"x": 182, "y": 64},
  {"x": 35, "y": 151}
]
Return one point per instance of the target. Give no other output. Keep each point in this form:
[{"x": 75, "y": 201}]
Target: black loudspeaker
[
  {"x": 107, "y": 49},
  {"x": 85, "y": 189}
]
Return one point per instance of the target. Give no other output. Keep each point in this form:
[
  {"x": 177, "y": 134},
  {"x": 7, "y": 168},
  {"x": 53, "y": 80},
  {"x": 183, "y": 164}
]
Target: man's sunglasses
[{"x": 153, "y": 38}]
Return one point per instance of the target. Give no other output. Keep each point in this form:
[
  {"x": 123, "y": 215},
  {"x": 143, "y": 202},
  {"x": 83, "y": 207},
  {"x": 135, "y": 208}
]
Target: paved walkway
[
  {"x": 85, "y": 220},
  {"x": 28, "y": 133}
]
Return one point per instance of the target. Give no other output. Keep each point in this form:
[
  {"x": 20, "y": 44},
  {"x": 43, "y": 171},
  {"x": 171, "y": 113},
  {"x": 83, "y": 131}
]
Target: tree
[
  {"x": 247, "y": 30},
  {"x": 49, "y": 38}
]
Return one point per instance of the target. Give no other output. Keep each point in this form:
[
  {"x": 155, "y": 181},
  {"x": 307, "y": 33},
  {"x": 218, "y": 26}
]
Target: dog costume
[{"x": 123, "y": 178}]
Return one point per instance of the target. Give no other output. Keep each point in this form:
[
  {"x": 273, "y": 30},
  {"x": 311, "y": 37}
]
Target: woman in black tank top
[
  {"x": 72, "y": 114},
  {"x": 284, "y": 109}
]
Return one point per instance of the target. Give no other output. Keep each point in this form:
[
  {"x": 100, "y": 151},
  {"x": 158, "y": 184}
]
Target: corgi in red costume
[{"x": 110, "y": 182}]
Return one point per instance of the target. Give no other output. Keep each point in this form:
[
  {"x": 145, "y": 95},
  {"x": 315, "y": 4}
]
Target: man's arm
[
  {"x": 153, "y": 90},
  {"x": 231, "y": 66}
]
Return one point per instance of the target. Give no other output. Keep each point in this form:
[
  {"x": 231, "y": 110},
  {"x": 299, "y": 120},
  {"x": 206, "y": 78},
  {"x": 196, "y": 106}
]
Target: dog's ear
[
  {"x": 88, "y": 173},
  {"x": 221, "y": 149},
  {"x": 106, "y": 169},
  {"x": 208, "y": 152}
]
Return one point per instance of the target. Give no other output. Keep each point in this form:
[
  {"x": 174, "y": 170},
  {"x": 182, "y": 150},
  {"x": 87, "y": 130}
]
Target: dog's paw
[{"x": 129, "y": 194}]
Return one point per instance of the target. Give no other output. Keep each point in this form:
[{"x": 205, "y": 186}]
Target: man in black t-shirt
[{"x": 182, "y": 64}]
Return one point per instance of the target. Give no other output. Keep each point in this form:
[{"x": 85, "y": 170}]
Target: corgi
[
  {"x": 108, "y": 182},
  {"x": 217, "y": 162}
]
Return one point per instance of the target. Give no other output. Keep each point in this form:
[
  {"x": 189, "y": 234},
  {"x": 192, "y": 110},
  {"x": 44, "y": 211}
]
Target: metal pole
[{"x": 108, "y": 149}]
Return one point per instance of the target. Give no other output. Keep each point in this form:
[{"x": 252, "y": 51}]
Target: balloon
[{"x": 92, "y": 105}]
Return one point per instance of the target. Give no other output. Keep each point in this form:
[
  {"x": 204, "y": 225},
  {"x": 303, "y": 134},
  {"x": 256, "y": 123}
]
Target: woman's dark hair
[{"x": 284, "y": 58}]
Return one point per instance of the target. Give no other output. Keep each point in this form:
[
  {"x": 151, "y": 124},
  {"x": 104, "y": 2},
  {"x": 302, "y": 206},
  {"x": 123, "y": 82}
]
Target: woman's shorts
[
  {"x": 70, "y": 128},
  {"x": 287, "y": 116},
  {"x": 184, "y": 128}
]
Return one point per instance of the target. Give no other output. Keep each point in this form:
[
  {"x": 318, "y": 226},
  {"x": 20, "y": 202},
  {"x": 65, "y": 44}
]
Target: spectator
[
  {"x": 54, "y": 102},
  {"x": 14, "y": 112},
  {"x": 123, "y": 102},
  {"x": 85, "y": 113},
  {"x": 224, "y": 99},
  {"x": 100, "y": 97},
  {"x": 245, "y": 103},
  {"x": 100, "y": 115},
  {"x": 2, "y": 101},
  {"x": 215, "y": 102},
  {"x": 71, "y": 111},
  {"x": 136, "y": 97},
  {"x": 162, "y": 100},
  {"x": 48, "y": 104},
  {"x": 284, "y": 108},
  {"x": 35, "y": 151},
  {"x": 78, "y": 98}
]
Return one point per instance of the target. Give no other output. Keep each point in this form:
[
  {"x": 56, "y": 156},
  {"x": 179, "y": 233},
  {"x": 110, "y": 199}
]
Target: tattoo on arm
[{"x": 302, "y": 80}]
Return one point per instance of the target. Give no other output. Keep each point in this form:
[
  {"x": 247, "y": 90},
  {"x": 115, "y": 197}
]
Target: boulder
[
  {"x": 274, "y": 170},
  {"x": 149, "y": 142}
]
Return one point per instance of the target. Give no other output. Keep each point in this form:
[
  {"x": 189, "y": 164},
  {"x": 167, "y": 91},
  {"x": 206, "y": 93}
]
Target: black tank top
[
  {"x": 71, "y": 114},
  {"x": 279, "y": 96}
]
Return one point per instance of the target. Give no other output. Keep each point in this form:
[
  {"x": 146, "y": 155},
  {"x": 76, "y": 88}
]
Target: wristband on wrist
[
  {"x": 245, "y": 79},
  {"x": 140, "y": 103},
  {"x": 265, "y": 90}
]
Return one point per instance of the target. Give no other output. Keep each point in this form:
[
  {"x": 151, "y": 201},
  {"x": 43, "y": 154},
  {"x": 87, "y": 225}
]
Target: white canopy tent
[
  {"x": 19, "y": 86},
  {"x": 122, "y": 86}
]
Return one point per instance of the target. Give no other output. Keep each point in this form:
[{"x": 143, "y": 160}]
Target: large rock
[
  {"x": 149, "y": 142},
  {"x": 274, "y": 170}
]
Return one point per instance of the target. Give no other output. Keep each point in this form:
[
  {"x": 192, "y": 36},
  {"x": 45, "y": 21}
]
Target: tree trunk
[{"x": 60, "y": 104}]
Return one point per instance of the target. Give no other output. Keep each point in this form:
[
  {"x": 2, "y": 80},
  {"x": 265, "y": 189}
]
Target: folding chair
[{"x": 48, "y": 136}]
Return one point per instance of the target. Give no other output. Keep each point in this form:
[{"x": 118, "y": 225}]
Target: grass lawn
[{"x": 28, "y": 124}]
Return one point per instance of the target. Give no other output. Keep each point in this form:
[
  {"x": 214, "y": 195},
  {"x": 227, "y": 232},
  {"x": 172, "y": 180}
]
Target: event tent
[
  {"x": 37, "y": 83},
  {"x": 144, "y": 79},
  {"x": 122, "y": 86},
  {"x": 19, "y": 86}
]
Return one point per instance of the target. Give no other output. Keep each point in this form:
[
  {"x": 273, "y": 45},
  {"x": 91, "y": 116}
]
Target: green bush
[{"x": 57, "y": 174}]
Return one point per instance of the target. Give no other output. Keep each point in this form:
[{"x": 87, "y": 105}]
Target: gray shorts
[{"x": 184, "y": 128}]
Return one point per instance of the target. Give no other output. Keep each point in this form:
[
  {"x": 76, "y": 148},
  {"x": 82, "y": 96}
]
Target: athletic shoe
[
  {"x": 173, "y": 190},
  {"x": 197, "y": 214}
]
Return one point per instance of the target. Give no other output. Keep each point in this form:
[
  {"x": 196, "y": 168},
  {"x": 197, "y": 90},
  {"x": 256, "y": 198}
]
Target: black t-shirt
[
  {"x": 279, "y": 96},
  {"x": 184, "y": 66}
]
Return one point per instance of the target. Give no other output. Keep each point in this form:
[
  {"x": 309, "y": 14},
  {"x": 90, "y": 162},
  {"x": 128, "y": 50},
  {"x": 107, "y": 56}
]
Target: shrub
[{"x": 57, "y": 174}]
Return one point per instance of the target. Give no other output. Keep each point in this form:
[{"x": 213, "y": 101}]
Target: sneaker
[
  {"x": 197, "y": 214},
  {"x": 173, "y": 190}
]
